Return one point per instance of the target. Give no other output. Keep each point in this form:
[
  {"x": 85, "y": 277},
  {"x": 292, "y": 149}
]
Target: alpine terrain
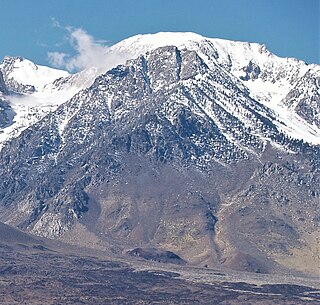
[{"x": 195, "y": 151}]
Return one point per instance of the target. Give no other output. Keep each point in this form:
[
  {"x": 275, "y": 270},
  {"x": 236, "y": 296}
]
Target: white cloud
[
  {"x": 57, "y": 59},
  {"x": 89, "y": 53}
]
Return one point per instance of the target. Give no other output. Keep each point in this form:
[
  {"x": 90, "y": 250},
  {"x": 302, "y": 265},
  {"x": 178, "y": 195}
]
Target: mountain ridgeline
[{"x": 205, "y": 148}]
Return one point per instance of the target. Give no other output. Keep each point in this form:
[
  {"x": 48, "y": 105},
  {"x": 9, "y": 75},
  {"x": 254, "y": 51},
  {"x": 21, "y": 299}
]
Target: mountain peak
[
  {"x": 147, "y": 42},
  {"x": 12, "y": 59},
  {"x": 27, "y": 73}
]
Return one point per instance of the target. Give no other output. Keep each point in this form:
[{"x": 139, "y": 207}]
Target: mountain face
[
  {"x": 306, "y": 103},
  {"x": 30, "y": 92},
  {"x": 203, "y": 147}
]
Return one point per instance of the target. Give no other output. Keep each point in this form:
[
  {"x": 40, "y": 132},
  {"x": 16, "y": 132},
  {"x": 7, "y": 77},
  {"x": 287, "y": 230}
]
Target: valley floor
[{"x": 34, "y": 274}]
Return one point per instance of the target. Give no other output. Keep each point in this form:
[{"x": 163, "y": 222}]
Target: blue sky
[{"x": 289, "y": 28}]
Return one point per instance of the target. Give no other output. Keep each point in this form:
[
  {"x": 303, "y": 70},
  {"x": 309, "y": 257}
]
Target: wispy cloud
[
  {"x": 57, "y": 59},
  {"x": 88, "y": 52}
]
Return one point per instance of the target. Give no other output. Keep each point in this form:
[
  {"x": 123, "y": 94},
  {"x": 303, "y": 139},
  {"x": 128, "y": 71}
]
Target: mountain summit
[{"x": 202, "y": 147}]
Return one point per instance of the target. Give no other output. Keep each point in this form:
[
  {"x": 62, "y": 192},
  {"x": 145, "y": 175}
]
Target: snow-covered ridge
[
  {"x": 267, "y": 77},
  {"x": 230, "y": 53},
  {"x": 35, "y": 91},
  {"x": 26, "y": 72}
]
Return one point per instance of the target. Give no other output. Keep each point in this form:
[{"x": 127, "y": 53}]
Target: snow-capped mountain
[
  {"x": 23, "y": 76},
  {"x": 32, "y": 91},
  {"x": 193, "y": 145},
  {"x": 270, "y": 80}
]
